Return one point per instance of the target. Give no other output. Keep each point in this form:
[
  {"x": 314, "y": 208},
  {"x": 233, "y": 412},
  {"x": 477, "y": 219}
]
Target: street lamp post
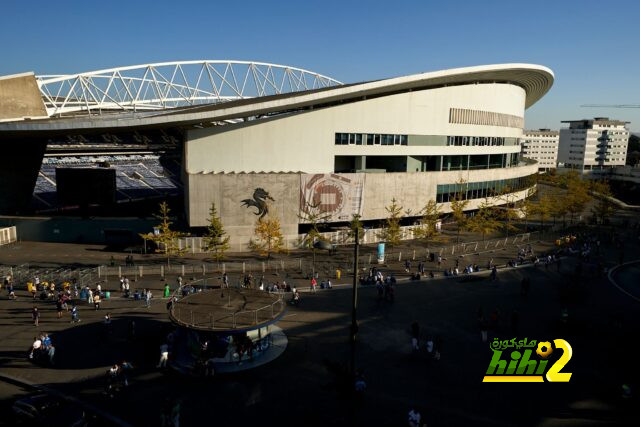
[{"x": 354, "y": 304}]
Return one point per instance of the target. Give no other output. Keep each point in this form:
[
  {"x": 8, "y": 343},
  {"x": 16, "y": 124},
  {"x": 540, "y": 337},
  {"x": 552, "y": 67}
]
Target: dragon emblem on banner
[{"x": 259, "y": 201}]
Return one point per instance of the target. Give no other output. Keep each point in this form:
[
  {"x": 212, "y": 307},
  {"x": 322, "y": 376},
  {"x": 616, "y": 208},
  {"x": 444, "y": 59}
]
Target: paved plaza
[{"x": 308, "y": 384}]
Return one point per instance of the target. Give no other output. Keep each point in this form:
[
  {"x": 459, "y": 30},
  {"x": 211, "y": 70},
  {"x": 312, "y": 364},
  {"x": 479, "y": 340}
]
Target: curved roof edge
[{"x": 536, "y": 80}]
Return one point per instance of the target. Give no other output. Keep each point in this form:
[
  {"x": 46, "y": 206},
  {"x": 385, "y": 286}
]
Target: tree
[
  {"x": 543, "y": 209},
  {"x": 268, "y": 237},
  {"x": 485, "y": 221},
  {"x": 215, "y": 240},
  {"x": 577, "y": 196},
  {"x": 164, "y": 237},
  {"x": 528, "y": 207},
  {"x": 314, "y": 217},
  {"x": 458, "y": 205},
  {"x": 604, "y": 207},
  {"x": 391, "y": 233},
  {"x": 508, "y": 196},
  {"x": 430, "y": 217},
  {"x": 353, "y": 225}
]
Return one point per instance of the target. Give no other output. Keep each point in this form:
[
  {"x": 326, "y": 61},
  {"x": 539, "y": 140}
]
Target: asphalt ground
[{"x": 307, "y": 385}]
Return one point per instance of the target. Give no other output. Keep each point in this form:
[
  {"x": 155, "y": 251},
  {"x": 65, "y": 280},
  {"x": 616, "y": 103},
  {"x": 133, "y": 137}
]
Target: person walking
[
  {"x": 225, "y": 280},
  {"x": 148, "y": 297},
  {"x": 35, "y": 314},
  {"x": 74, "y": 314},
  {"x": 314, "y": 284},
  {"x": 59, "y": 307},
  {"x": 167, "y": 291},
  {"x": 96, "y": 301},
  {"x": 494, "y": 274},
  {"x": 164, "y": 356}
]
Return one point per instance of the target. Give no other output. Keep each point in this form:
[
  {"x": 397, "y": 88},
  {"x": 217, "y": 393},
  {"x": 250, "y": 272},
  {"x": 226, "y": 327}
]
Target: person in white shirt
[{"x": 164, "y": 356}]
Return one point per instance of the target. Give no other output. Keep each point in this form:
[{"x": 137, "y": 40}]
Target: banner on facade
[{"x": 336, "y": 197}]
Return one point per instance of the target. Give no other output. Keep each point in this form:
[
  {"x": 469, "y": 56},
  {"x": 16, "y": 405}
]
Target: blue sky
[{"x": 592, "y": 46}]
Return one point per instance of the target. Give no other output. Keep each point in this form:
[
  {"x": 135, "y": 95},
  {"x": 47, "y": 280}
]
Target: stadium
[{"x": 105, "y": 147}]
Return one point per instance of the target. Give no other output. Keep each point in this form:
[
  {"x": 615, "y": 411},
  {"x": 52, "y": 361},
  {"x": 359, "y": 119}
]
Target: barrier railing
[{"x": 222, "y": 319}]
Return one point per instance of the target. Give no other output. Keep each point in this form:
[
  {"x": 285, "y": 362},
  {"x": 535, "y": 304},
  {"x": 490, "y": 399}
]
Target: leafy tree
[
  {"x": 314, "y": 217},
  {"x": 391, "y": 232},
  {"x": 458, "y": 205},
  {"x": 430, "y": 217},
  {"x": 215, "y": 240},
  {"x": 544, "y": 209},
  {"x": 528, "y": 207},
  {"x": 509, "y": 198},
  {"x": 268, "y": 237},
  {"x": 485, "y": 221},
  {"x": 353, "y": 225},
  {"x": 604, "y": 207},
  {"x": 577, "y": 196},
  {"x": 165, "y": 238}
]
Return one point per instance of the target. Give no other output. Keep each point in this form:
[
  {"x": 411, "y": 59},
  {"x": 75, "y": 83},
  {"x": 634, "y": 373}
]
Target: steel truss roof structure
[{"x": 165, "y": 85}]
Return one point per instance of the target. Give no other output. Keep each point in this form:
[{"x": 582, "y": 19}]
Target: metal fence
[
  {"x": 222, "y": 319},
  {"x": 338, "y": 264}
]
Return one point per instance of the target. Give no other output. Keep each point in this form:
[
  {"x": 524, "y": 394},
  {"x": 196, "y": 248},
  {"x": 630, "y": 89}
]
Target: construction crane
[{"x": 612, "y": 105}]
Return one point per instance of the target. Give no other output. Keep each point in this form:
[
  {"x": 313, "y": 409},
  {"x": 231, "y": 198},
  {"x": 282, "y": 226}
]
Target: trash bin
[
  {"x": 338, "y": 274},
  {"x": 107, "y": 294}
]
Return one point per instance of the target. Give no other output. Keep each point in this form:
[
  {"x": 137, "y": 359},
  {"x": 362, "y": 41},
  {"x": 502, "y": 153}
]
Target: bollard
[
  {"x": 399, "y": 256},
  {"x": 182, "y": 270},
  {"x": 263, "y": 266},
  {"x": 162, "y": 271},
  {"x": 98, "y": 272},
  {"x": 140, "y": 271},
  {"x": 414, "y": 255},
  {"x": 369, "y": 259},
  {"x": 224, "y": 268},
  {"x": 244, "y": 267},
  {"x": 119, "y": 271},
  {"x": 300, "y": 264}
]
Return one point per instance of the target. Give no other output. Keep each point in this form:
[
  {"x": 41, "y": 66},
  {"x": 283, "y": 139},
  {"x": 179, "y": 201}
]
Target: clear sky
[{"x": 593, "y": 47}]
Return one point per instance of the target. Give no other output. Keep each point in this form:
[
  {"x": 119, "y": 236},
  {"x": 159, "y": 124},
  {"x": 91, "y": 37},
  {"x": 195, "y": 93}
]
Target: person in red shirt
[{"x": 314, "y": 283}]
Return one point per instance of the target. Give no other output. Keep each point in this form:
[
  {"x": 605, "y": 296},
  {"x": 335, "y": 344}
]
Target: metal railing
[{"x": 222, "y": 319}]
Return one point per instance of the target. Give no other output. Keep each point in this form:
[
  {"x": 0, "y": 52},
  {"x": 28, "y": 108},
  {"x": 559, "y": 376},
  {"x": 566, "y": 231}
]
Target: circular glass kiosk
[{"x": 226, "y": 330}]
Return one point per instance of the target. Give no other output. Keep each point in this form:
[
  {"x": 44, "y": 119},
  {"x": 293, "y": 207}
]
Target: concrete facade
[
  {"x": 20, "y": 98},
  {"x": 541, "y": 146},
  {"x": 412, "y": 191},
  {"x": 595, "y": 144},
  {"x": 304, "y": 142}
]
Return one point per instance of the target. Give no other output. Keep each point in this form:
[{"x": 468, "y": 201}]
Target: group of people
[
  {"x": 117, "y": 377},
  {"x": 432, "y": 345},
  {"x": 42, "y": 349}
]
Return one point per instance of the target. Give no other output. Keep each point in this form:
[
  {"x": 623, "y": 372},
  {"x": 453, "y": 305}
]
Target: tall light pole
[{"x": 354, "y": 304}]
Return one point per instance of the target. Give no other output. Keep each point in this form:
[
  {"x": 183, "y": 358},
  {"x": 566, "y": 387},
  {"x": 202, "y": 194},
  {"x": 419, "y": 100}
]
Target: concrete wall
[
  {"x": 228, "y": 190},
  {"x": 304, "y": 142},
  {"x": 20, "y": 97},
  {"x": 412, "y": 190}
]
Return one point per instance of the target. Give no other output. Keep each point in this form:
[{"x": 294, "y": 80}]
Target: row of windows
[
  {"x": 475, "y": 140},
  {"x": 488, "y": 118},
  {"x": 370, "y": 139},
  {"x": 480, "y": 190}
]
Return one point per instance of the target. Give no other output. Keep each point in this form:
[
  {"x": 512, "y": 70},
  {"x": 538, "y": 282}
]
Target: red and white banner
[{"x": 339, "y": 196}]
